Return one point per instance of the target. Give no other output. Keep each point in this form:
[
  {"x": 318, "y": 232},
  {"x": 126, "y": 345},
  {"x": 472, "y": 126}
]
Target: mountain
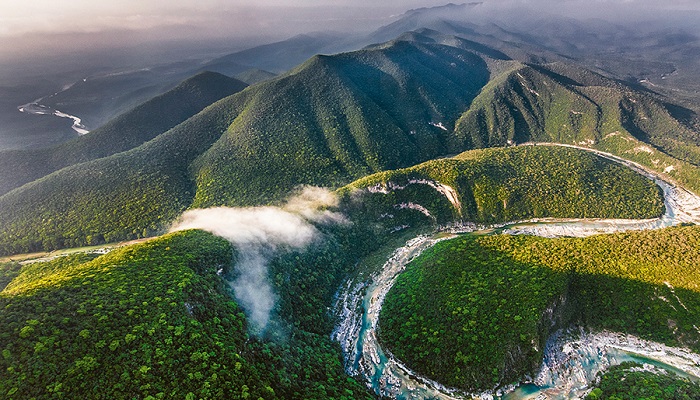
[
  {"x": 279, "y": 57},
  {"x": 340, "y": 117},
  {"x": 254, "y": 75},
  {"x": 449, "y": 19},
  {"x": 337, "y": 118},
  {"x": 125, "y": 132},
  {"x": 565, "y": 104},
  {"x": 657, "y": 52}
]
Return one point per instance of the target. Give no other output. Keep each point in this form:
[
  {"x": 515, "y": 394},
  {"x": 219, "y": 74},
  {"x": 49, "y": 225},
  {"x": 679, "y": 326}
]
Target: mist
[
  {"x": 258, "y": 234},
  {"x": 41, "y": 27}
]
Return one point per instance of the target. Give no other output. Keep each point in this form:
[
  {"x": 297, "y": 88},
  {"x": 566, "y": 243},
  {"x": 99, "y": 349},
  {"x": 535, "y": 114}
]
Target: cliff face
[{"x": 522, "y": 363}]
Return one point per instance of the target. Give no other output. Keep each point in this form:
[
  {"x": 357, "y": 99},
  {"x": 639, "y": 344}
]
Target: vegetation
[
  {"x": 630, "y": 381},
  {"x": 563, "y": 103},
  {"x": 500, "y": 185},
  {"x": 8, "y": 272},
  {"x": 125, "y": 132},
  {"x": 474, "y": 312},
  {"x": 156, "y": 320},
  {"x": 153, "y": 320},
  {"x": 338, "y": 118}
]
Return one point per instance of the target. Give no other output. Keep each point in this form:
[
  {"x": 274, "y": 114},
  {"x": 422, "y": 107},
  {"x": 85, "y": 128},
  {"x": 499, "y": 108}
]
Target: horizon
[{"x": 41, "y": 29}]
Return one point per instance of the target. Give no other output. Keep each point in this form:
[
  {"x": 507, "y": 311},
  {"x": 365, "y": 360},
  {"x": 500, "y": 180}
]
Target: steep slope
[
  {"x": 154, "y": 320},
  {"x": 566, "y": 104},
  {"x": 494, "y": 300},
  {"x": 338, "y": 118},
  {"x": 502, "y": 185},
  {"x": 125, "y": 132}
]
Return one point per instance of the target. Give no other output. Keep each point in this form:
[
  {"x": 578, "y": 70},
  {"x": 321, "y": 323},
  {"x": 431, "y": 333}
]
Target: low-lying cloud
[{"x": 258, "y": 233}]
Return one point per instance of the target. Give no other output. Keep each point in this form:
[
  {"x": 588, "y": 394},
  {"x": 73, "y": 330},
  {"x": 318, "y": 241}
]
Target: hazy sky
[
  {"x": 40, "y": 26},
  {"x": 90, "y": 15},
  {"x": 18, "y": 18}
]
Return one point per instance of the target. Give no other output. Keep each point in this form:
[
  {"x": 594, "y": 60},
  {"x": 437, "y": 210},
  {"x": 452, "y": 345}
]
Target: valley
[
  {"x": 465, "y": 201},
  {"x": 388, "y": 376}
]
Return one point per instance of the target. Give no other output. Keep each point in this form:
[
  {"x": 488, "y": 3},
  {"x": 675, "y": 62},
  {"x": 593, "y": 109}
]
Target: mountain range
[
  {"x": 334, "y": 119},
  {"x": 446, "y": 117}
]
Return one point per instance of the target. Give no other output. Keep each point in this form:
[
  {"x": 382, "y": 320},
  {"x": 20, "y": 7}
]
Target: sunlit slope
[
  {"x": 505, "y": 184},
  {"x": 493, "y": 300},
  {"x": 125, "y": 132},
  {"x": 153, "y": 320},
  {"x": 566, "y": 104},
  {"x": 337, "y": 118}
]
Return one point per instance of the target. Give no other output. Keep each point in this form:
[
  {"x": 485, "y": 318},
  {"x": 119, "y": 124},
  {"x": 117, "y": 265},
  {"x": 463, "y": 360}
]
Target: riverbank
[{"x": 360, "y": 301}]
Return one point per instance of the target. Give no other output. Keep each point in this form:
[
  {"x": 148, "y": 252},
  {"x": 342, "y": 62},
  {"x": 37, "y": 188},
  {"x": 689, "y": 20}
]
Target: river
[
  {"x": 572, "y": 358},
  {"x": 36, "y": 108}
]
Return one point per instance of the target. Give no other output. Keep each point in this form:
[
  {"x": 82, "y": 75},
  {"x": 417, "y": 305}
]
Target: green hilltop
[
  {"x": 474, "y": 312},
  {"x": 503, "y": 185}
]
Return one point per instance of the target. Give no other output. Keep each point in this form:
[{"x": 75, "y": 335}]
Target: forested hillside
[
  {"x": 125, "y": 132},
  {"x": 474, "y": 312},
  {"x": 565, "y": 104},
  {"x": 338, "y": 118},
  {"x": 155, "y": 320},
  {"x": 505, "y": 184}
]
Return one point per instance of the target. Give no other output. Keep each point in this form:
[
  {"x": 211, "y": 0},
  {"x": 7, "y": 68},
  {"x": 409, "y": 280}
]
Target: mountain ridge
[
  {"x": 123, "y": 133},
  {"x": 337, "y": 118}
]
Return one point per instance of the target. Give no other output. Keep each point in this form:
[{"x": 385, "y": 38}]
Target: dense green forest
[
  {"x": 474, "y": 312},
  {"x": 338, "y": 118},
  {"x": 507, "y": 184},
  {"x": 628, "y": 381},
  {"x": 158, "y": 319},
  {"x": 155, "y": 320},
  {"x": 563, "y": 103},
  {"x": 123, "y": 133}
]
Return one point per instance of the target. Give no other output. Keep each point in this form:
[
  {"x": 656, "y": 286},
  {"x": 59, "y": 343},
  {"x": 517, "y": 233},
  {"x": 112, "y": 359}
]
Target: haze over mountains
[
  {"x": 632, "y": 42},
  {"x": 436, "y": 120},
  {"x": 338, "y": 118}
]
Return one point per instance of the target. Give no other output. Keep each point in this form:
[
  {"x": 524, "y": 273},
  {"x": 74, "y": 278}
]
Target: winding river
[
  {"x": 36, "y": 108},
  {"x": 572, "y": 358}
]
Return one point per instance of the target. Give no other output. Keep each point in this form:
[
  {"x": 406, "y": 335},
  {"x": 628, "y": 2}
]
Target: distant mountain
[
  {"x": 125, "y": 132},
  {"x": 663, "y": 55},
  {"x": 281, "y": 56},
  {"x": 337, "y": 118},
  {"x": 448, "y": 19},
  {"x": 254, "y": 75}
]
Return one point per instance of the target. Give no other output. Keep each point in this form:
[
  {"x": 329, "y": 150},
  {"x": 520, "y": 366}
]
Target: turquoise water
[{"x": 615, "y": 357}]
